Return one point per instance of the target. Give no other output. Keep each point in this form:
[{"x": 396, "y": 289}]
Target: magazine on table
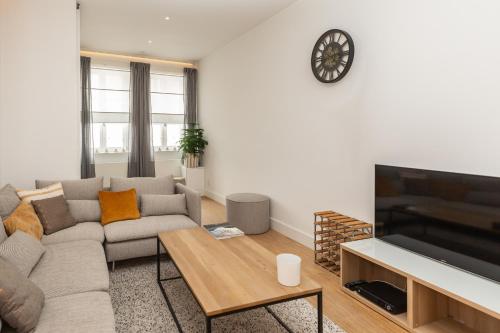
[{"x": 223, "y": 231}]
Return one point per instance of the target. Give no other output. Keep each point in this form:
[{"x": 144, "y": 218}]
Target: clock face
[{"x": 332, "y": 56}]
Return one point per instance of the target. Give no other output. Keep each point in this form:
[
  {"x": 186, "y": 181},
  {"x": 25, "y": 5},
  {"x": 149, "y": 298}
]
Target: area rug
[{"x": 139, "y": 306}]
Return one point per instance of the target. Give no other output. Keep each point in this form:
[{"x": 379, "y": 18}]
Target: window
[
  {"x": 110, "y": 108},
  {"x": 167, "y": 106}
]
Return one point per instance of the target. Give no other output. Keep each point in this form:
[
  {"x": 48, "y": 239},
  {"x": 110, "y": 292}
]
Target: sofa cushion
[
  {"x": 21, "y": 301},
  {"x": 50, "y": 191},
  {"x": 85, "y": 210},
  {"x": 78, "y": 189},
  {"x": 144, "y": 185},
  {"x": 53, "y": 214},
  {"x": 25, "y": 219},
  {"x": 23, "y": 251},
  {"x": 70, "y": 268},
  {"x": 146, "y": 227},
  {"x": 136, "y": 248},
  {"x": 81, "y": 231},
  {"x": 163, "y": 204},
  {"x": 79, "y": 313},
  {"x": 8, "y": 200}
]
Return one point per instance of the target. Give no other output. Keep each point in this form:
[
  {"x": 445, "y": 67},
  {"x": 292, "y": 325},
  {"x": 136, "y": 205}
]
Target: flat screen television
[{"x": 450, "y": 217}]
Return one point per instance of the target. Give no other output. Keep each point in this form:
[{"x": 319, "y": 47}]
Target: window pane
[
  {"x": 167, "y": 84},
  {"x": 110, "y": 101},
  {"x": 110, "y": 79},
  {"x": 161, "y": 103},
  {"x": 96, "y": 134},
  {"x": 174, "y": 132},
  {"x": 116, "y": 135},
  {"x": 157, "y": 135}
]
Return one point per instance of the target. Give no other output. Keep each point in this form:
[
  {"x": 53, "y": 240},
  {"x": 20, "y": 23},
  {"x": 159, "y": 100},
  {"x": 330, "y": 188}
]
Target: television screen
[{"x": 450, "y": 217}]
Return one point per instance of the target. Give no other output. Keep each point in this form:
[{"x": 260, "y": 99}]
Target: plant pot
[{"x": 191, "y": 160}]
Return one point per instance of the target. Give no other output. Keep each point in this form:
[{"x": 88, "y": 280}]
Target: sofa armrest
[{"x": 193, "y": 201}]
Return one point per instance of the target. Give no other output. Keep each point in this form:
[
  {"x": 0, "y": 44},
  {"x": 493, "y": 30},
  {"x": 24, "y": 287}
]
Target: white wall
[
  {"x": 422, "y": 92},
  {"x": 39, "y": 123}
]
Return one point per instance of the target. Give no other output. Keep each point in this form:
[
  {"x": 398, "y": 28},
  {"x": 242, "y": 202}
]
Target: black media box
[{"x": 385, "y": 295}]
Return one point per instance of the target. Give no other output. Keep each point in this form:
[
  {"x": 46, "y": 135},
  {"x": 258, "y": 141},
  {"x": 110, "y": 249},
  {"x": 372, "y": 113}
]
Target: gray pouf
[{"x": 249, "y": 212}]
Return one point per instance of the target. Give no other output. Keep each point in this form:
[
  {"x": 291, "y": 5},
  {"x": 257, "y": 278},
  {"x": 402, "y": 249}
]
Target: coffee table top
[{"x": 229, "y": 275}]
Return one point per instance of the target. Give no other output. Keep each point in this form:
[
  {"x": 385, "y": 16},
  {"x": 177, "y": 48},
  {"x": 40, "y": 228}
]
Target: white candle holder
[{"x": 288, "y": 266}]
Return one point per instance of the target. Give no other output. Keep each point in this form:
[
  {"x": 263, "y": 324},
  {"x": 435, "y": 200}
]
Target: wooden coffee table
[{"x": 229, "y": 276}]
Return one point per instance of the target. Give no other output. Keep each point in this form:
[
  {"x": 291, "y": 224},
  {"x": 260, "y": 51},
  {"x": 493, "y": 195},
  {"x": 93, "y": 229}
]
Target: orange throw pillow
[
  {"x": 118, "y": 206},
  {"x": 25, "y": 219}
]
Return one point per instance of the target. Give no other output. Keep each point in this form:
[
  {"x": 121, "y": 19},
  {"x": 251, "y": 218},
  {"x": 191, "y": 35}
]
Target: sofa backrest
[
  {"x": 85, "y": 210},
  {"x": 144, "y": 185},
  {"x": 79, "y": 189}
]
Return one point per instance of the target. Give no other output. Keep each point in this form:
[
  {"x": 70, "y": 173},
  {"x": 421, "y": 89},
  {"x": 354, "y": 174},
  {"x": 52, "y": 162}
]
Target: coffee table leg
[
  {"x": 158, "y": 259},
  {"x": 320, "y": 312},
  {"x": 209, "y": 324}
]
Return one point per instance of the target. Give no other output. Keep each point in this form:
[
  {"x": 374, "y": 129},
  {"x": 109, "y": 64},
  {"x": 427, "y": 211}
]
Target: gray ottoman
[{"x": 249, "y": 212}]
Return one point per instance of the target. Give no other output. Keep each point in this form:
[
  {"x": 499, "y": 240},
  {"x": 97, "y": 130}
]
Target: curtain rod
[{"x": 135, "y": 58}]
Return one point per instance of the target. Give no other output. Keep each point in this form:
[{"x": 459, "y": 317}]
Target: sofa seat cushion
[
  {"x": 70, "y": 268},
  {"x": 146, "y": 227},
  {"x": 81, "y": 231},
  {"x": 79, "y": 313}
]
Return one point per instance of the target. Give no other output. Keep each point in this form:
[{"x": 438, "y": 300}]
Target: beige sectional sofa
[
  {"x": 73, "y": 273},
  {"x": 124, "y": 239}
]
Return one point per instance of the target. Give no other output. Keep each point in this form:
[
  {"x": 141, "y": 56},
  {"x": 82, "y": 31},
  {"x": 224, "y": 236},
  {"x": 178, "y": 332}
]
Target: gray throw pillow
[
  {"x": 23, "y": 251},
  {"x": 158, "y": 204},
  {"x": 3, "y": 234},
  {"x": 85, "y": 210},
  {"x": 53, "y": 214},
  {"x": 21, "y": 301},
  {"x": 8, "y": 200}
]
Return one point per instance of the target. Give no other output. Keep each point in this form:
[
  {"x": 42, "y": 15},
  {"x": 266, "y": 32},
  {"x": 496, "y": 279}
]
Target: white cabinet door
[{"x": 195, "y": 178}]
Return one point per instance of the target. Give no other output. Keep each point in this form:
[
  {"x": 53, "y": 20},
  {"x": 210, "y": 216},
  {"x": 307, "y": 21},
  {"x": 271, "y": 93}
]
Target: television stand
[{"x": 441, "y": 298}]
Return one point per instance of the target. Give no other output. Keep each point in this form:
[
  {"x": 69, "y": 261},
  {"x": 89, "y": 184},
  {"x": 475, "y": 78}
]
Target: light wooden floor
[{"x": 351, "y": 315}]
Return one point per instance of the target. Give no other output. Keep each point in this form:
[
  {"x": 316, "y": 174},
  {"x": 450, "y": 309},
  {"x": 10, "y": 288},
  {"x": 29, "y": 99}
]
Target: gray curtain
[
  {"x": 87, "y": 168},
  {"x": 141, "y": 156},
  {"x": 190, "y": 97}
]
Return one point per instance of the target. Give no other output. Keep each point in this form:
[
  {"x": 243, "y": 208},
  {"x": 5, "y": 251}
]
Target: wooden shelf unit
[
  {"x": 330, "y": 230},
  {"x": 431, "y": 309}
]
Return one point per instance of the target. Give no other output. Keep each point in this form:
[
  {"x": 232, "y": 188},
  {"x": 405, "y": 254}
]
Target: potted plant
[{"x": 192, "y": 145}]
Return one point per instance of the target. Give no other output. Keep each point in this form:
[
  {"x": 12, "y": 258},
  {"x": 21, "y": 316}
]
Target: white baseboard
[
  {"x": 292, "y": 232},
  {"x": 217, "y": 197},
  {"x": 278, "y": 225}
]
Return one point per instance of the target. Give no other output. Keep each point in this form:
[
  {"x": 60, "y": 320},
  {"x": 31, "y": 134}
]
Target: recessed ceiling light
[
  {"x": 167, "y": 18},
  {"x": 150, "y": 41}
]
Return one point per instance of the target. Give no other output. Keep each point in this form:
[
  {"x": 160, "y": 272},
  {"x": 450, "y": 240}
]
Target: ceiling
[{"x": 195, "y": 28}]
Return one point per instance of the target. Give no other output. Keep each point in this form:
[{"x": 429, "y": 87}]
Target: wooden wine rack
[{"x": 330, "y": 230}]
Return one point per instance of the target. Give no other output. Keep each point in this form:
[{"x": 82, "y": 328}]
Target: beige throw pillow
[{"x": 50, "y": 191}]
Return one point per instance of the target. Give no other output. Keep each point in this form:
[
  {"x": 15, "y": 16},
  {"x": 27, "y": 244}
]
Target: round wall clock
[{"x": 332, "y": 56}]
